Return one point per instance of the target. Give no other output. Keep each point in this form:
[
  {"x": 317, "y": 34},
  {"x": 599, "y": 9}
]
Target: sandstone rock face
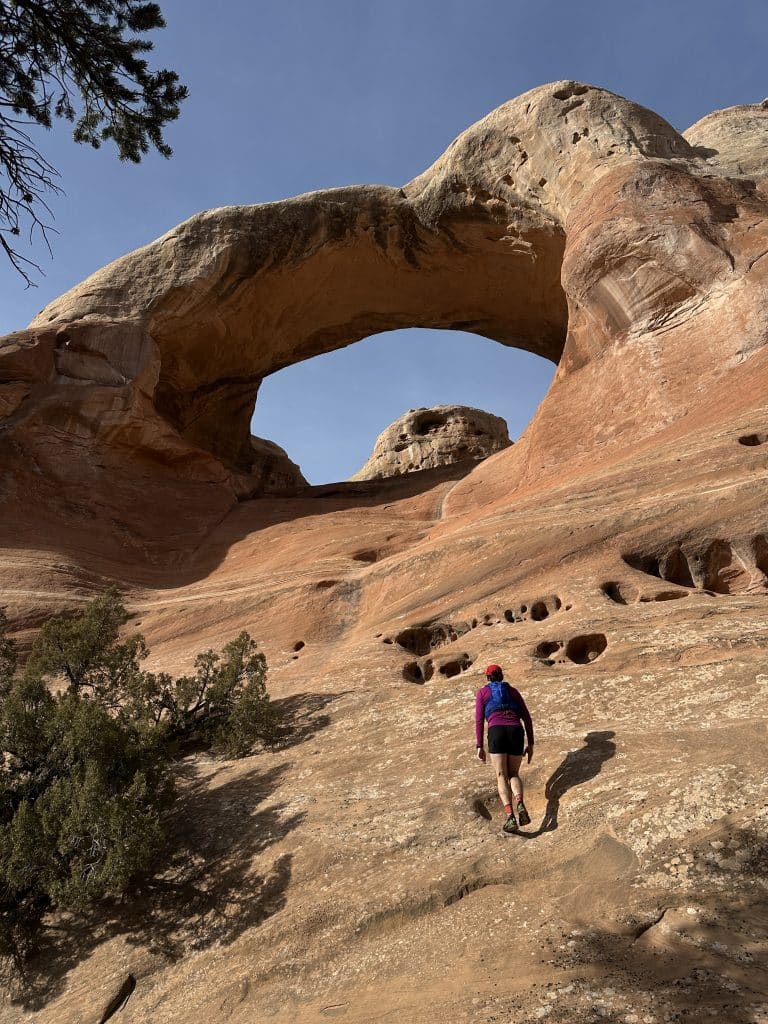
[
  {"x": 614, "y": 561},
  {"x": 566, "y": 222},
  {"x": 429, "y": 438},
  {"x": 276, "y": 473}
]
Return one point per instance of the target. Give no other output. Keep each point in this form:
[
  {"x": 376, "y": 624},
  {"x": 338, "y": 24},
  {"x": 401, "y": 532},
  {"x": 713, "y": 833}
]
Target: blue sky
[{"x": 296, "y": 95}]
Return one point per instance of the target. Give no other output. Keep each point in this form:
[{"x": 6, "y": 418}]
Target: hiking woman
[{"x": 504, "y": 709}]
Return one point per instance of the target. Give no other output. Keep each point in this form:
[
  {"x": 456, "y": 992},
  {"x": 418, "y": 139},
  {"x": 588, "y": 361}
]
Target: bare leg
[
  {"x": 499, "y": 762},
  {"x": 515, "y": 782}
]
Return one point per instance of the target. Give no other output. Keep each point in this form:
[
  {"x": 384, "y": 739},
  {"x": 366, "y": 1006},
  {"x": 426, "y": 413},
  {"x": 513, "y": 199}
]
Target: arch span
[{"x": 566, "y": 222}]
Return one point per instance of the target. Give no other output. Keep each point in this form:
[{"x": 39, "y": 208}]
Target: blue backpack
[{"x": 501, "y": 699}]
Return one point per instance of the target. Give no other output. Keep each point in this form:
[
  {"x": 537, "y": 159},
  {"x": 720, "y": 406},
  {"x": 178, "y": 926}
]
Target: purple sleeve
[
  {"x": 480, "y": 699},
  {"x": 525, "y": 715}
]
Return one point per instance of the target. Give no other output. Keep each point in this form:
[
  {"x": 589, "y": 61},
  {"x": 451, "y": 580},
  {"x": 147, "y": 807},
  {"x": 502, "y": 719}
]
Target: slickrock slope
[
  {"x": 429, "y": 438},
  {"x": 614, "y": 561}
]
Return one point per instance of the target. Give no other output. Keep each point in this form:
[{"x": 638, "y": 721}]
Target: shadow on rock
[
  {"x": 698, "y": 955},
  {"x": 300, "y": 716},
  {"x": 578, "y": 767},
  {"x": 210, "y": 890}
]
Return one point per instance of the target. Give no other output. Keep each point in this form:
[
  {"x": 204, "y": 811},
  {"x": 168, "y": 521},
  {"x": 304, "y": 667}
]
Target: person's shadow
[{"x": 577, "y": 767}]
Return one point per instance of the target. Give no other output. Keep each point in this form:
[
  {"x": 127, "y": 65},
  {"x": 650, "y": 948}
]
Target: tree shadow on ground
[
  {"x": 301, "y": 718},
  {"x": 679, "y": 963},
  {"x": 578, "y": 766},
  {"x": 209, "y": 890}
]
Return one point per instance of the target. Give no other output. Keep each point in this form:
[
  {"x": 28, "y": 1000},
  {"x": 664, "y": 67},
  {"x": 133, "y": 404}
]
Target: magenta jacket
[{"x": 501, "y": 717}]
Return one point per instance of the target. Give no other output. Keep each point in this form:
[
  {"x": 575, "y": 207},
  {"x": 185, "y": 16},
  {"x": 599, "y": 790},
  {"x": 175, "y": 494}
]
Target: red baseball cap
[{"x": 493, "y": 668}]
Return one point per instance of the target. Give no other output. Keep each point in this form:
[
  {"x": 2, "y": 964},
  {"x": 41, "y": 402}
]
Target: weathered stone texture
[
  {"x": 429, "y": 438},
  {"x": 614, "y": 561}
]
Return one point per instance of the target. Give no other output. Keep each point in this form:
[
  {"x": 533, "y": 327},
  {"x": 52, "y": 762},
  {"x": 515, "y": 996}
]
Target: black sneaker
[
  {"x": 523, "y": 815},
  {"x": 510, "y": 825}
]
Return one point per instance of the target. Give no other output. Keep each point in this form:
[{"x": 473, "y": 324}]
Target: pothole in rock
[
  {"x": 585, "y": 649},
  {"x": 420, "y": 640},
  {"x": 422, "y": 671},
  {"x": 619, "y": 593},
  {"x": 455, "y": 666},
  {"x": 538, "y": 610},
  {"x": 753, "y": 440},
  {"x": 369, "y": 556},
  {"x": 717, "y": 566},
  {"x": 412, "y": 672},
  {"x": 546, "y": 651},
  {"x": 580, "y": 650},
  {"x": 672, "y": 567}
]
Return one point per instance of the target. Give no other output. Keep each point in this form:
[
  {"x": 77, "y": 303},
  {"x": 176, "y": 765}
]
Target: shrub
[{"x": 86, "y": 776}]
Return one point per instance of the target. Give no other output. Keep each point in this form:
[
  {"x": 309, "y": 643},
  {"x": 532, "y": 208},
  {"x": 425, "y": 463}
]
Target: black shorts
[{"x": 506, "y": 739}]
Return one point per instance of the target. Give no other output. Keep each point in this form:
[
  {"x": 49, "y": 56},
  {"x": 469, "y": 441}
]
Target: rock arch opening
[
  {"x": 176, "y": 338},
  {"x": 328, "y": 412}
]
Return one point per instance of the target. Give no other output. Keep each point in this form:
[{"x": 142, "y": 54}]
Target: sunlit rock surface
[
  {"x": 614, "y": 561},
  {"x": 429, "y": 438}
]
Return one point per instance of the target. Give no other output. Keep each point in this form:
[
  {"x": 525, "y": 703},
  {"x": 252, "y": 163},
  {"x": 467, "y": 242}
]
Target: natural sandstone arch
[{"x": 568, "y": 213}]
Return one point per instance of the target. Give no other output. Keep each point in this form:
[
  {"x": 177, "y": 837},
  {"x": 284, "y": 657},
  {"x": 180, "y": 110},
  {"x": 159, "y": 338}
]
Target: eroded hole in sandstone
[
  {"x": 456, "y": 666},
  {"x": 416, "y": 640},
  {"x": 325, "y": 584},
  {"x": 428, "y": 425},
  {"x": 412, "y": 672},
  {"x": 753, "y": 440},
  {"x": 582, "y": 650},
  {"x": 421, "y": 640},
  {"x": 573, "y": 105},
  {"x": 573, "y": 89},
  {"x": 539, "y": 611},
  {"x": 387, "y": 640},
  {"x": 723, "y": 572},
  {"x": 760, "y": 550},
  {"x": 614, "y": 592},
  {"x": 299, "y": 645},
  {"x": 545, "y": 650},
  {"x": 716, "y": 567},
  {"x": 647, "y": 564},
  {"x": 366, "y": 556},
  {"x": 664, "y": 595},
  {"x": 675, "y": 568}
]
